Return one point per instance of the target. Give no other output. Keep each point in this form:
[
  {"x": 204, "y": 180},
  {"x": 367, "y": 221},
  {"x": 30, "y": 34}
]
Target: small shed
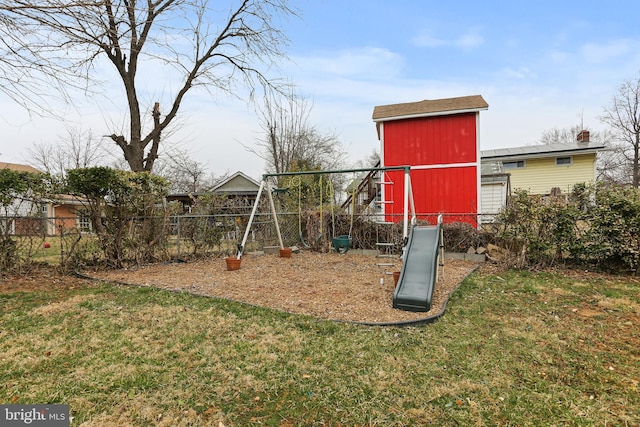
[
  {"x": 496, "y": 188},
  {"x": 439, "y": 139}
]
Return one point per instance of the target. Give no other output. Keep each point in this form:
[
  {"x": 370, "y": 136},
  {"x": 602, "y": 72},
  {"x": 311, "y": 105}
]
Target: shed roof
[
  {"x": 429, "y": 107},
  {"x": 544, "y": 150}
]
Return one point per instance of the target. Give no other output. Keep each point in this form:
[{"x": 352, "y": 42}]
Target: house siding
[
  {"x": 494, "y": 198},
  {"x": 539, "y": 176},
  {"x": 65, "y": 219}
]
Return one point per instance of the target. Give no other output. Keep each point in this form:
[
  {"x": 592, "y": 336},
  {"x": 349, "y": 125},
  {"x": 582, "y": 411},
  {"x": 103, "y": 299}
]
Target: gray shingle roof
[{"x": 543, "y": 150}]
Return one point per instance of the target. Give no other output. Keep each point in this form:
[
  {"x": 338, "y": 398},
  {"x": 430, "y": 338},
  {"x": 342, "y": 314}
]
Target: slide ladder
[{"x": 386, "y": 248}]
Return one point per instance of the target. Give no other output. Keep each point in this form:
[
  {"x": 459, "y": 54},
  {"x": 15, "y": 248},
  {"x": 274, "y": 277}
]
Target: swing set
[{"x": 342, "y": 243}]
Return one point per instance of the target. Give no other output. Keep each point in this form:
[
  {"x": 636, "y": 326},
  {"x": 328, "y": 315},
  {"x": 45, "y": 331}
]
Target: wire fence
[{"x": 72, "y": 240}]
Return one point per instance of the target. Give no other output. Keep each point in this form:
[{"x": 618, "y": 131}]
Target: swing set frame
[{"x": 408, "y": 203}]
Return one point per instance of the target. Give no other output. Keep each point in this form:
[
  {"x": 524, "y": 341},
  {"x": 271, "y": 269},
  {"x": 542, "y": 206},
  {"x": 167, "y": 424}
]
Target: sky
[{"x": 539, "y": 65}]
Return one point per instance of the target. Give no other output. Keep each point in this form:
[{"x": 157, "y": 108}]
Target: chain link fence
[{"x": 70, "y": 241}]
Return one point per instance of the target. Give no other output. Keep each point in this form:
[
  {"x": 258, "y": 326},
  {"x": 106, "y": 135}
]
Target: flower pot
[
  {"x": 233, "y": 263},
  {"x": 396, "y": 276},
  {"x": 285, "y": 253}
]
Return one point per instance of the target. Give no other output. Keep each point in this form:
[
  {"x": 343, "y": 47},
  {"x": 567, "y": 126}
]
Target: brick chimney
[{"x": 583, "y": 136}]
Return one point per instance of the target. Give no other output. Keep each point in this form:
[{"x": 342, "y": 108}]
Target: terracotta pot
[
  {"x": 233, "y": 264},
  {"x": 285, "y": 253},
  {"x": 396, "y": 276}
]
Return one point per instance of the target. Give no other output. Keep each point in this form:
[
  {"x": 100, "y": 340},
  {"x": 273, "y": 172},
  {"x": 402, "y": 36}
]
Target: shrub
[
  {"x": 596, "y": 225},
  {"x": 126, "y": 210}
]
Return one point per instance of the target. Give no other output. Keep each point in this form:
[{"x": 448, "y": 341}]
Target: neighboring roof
[
  {"x": 544, "y": 150},
  {"x": 67, "y": 199},
  {"x": 238, "y": 183},
  {"x": 433, "y": 107},
  {"x": 18, "y": 167}
]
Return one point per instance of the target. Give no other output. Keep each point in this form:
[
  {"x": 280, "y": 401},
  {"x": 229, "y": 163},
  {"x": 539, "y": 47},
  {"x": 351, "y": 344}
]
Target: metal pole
[
  {"x": 405, "y": 214},
  {"x": 253, "y": 213},
  {"x": 179, "y": 237},
  {"x": 275, "y": 215},
  {"x": 323, "y": 172},
  {"x": 412, "y": 203}
]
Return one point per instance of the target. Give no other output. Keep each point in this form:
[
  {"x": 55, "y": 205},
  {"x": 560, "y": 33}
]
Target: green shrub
[
  {"x": 596, "y": 225},
  {"x": 126, "y": 210}
]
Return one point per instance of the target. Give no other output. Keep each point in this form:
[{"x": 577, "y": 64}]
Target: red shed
[{"x": 439, "y": 139}]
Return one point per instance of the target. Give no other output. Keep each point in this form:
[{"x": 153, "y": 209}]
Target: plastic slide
[{"x": 419, "y": 270}]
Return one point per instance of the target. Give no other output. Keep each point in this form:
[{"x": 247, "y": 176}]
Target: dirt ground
[{"x": 345, "y": 287}]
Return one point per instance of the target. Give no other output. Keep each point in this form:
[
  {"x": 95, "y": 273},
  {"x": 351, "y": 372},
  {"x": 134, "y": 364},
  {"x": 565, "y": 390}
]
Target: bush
[
  {"x": 126, "y": 210},
  {"x": 596, "y": 226},
  {"x": 21, "y": 195}
]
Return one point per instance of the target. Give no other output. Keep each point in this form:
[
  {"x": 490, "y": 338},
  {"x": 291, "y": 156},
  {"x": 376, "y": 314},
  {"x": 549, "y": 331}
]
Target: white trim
[
  {"x": 383, "y": 188},
  {"x": 446, "y": 165},
  {"x": 432, "y": 114},
  {"x": 478, "y": 173}
]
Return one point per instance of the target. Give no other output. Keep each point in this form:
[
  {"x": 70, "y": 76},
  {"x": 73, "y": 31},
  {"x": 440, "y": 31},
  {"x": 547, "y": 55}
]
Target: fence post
[{"x": 179, "y": 237}]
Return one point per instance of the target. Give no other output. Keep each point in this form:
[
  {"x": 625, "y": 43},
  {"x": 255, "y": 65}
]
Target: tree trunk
[
  {"x": 153, "y": 152},
  {"x": 636, "y": 155}
]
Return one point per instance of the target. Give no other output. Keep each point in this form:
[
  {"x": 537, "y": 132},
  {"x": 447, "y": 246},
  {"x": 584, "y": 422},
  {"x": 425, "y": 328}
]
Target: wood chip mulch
[{"x": 343, "y": 287}]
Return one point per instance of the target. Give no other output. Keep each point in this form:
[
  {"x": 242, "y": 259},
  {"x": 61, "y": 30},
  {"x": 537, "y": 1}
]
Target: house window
[
  {"x": 84, "y": 223},
  {"x": 563, "y": 161},
  {"x": 513, "y": 165}
]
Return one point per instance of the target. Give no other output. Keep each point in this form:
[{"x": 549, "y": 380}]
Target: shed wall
[{"x": 433, "y": 143}]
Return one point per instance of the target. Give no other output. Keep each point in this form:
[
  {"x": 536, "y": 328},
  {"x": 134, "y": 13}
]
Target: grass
[
  {"x": 514, "y": 349},
  {"x": 33, "y": 248}
]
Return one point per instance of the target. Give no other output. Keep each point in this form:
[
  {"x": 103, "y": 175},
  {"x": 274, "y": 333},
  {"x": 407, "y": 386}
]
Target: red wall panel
[
  {"x": 431, "y": 140},
  {"x": 451, "y": 191},
  {"x": 438, "y": 140}
]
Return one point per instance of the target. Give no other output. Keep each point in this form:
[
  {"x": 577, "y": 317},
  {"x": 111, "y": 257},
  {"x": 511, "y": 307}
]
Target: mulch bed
[{"x": 344, "y": 287}]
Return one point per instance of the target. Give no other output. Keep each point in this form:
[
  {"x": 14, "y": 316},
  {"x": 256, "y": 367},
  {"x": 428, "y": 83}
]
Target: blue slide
[{"x": 419, "y": 269}]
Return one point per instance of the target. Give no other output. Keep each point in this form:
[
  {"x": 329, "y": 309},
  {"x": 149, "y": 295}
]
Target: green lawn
[{"x": 514, "y": 349}]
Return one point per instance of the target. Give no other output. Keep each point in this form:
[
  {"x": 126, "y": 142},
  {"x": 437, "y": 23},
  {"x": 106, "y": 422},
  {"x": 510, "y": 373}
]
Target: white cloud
[
  {"x": 366, "y": 62},
  {"x": 518, "y": 73},
  {"x": 603, "y": 52},
  {"x": 427, "y": 40},
  {"x": 468, "y": 40}
]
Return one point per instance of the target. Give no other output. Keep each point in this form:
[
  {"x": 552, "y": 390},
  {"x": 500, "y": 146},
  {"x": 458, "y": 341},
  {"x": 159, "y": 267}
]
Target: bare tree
[
  {"x": 185, "y": 174},
  {"x": 77, "y": 149},
  {"x": 372, "y": 160},
  {"x": 623, "y": 115},
  {"x": 192, "y": 43},
  {"x": 26, "y": 75},
  {"x": 290, "y": 142}
]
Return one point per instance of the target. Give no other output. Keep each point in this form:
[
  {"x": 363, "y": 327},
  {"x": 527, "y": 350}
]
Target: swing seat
[{"x": 341, "y": 244}]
